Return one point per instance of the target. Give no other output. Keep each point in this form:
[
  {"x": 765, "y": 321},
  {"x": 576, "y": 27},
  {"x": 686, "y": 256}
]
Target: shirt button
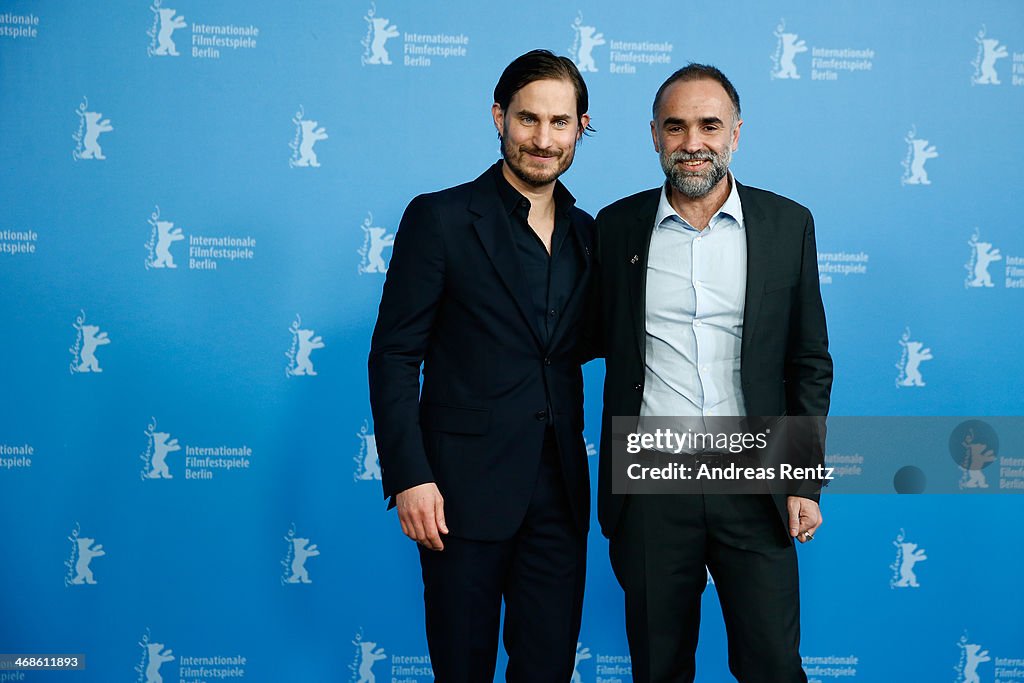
[
  {"x": 703, "y": 368},
  {"x": 552, "y": 313},
  {"x": 541, "y": 415},
  {"x": 547, "y": 361},
  {"x": 697, "y": 323},
  {"x": 696, "y": 284}
]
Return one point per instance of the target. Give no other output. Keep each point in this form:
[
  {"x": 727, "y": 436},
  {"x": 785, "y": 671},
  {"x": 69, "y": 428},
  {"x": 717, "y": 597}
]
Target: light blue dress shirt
[{"x": 696, "y": 283}]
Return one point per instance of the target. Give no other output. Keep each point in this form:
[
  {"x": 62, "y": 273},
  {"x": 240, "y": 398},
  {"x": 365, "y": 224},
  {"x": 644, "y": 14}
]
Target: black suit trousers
[
  {"x": 659, "y": 552},
  {"x": 539, "y": 573}
]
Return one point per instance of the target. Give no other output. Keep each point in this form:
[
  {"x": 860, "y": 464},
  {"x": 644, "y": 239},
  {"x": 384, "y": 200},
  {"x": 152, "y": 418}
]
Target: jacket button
[{"x": 541, "y": 415}]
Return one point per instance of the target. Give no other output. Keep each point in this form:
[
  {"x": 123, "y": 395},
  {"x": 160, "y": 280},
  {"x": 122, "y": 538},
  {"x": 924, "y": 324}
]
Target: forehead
[
  {"x": 548, "y": 95},
  {"x": 695, "y": 99}
]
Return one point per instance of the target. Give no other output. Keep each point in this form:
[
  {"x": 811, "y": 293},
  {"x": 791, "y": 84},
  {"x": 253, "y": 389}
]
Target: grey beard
[{"x": 695, "y": 185}]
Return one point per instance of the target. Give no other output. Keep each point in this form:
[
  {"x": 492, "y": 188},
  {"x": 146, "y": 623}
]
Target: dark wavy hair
[{"x": 537, "y": 65}]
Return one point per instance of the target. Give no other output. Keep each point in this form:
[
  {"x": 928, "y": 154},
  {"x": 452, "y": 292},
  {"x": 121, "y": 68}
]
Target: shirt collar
[
  {"x": 731, "y": 208},
  {"x": 511, "y": 197}
]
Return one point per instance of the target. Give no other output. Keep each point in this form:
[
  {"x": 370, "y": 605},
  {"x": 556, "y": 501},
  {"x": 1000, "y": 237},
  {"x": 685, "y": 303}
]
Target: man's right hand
[{"x": 421, "y": 512}]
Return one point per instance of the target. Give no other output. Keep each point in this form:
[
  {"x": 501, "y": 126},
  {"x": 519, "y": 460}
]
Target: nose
[
  {"x": 691, "y": 141},
  {"x": 542, "y": 137}
]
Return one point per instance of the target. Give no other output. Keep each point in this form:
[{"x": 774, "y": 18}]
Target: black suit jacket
[
  {"x": 785, "y": 367},
  {"x": 456, "y": 301}
]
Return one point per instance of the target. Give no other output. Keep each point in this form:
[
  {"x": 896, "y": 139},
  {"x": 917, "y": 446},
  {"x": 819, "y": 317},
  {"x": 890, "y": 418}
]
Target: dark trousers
[
  {"x": 540, "y": 574},
  {"x": 659, "y": 551}
]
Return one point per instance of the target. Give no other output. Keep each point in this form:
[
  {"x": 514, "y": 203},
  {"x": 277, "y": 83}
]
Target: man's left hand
[{"x": 804, "y": 518}]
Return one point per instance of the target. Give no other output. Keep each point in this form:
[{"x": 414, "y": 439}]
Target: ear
[
  {"x": 654, "y": 137},
  {"x": 499, "y": 117},
  {"x": 584, "y": 122},
  {"x": 736, "y": 135}
]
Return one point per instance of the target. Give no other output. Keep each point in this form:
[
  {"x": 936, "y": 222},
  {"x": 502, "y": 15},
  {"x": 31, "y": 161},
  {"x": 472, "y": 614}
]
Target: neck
[
  {"x": 541, "y": 197},
  {"x": 698, "y": 210}
]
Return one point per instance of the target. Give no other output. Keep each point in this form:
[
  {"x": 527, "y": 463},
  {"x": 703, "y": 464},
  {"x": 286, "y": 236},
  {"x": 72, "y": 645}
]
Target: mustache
[
  {"x": 545, "y": 153},
  {"x": 676, "y": 157}
]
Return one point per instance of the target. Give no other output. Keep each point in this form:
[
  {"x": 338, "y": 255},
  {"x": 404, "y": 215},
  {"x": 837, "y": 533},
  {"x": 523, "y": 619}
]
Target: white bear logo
[
  {"x": 587, "y": 38},
  {"x": 918, "y": 153},
  {"x": 157, "y": 657},
  {"x": 310, "y": 136},
  {"x": 369, "y": 653},
  {"x": 581, "y": 654},
  {"x": 301, "y": 552},
  {"x": 982, "y": 255},
  {"x": 788, "y": 47},
  {"x": 168, "y": 24},
  {"x": 86, "y": 552},
  {"x": 94, "y": 125},
  {"x": 976, "y": 456},
  {"x": 379, "y": 31},
  {"x": 166, "y": 235},
  {"x": 989, "y": 51},
  {"x": 367, "y": 462},
  {"x": 916, "y": 354},
  {"x": 162, "y": 445},
  {"x": 975, "y": 656},
  {"x": 84, "y": 351},
  {"x": 304, "y": 342},
  {"x": 375, "y": 241},
  {"x": 909, "y": 556}
]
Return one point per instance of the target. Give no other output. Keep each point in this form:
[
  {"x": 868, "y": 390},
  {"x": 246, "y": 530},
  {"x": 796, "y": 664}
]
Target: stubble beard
[{"x": 534, "y": 177}]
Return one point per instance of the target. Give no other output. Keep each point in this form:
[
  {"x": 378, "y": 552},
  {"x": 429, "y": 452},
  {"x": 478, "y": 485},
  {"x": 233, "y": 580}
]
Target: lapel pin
[{"x": 634, "y": 259}]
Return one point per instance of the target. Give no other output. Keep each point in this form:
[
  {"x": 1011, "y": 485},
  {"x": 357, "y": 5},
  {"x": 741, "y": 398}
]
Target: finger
[
  {"x": 418, "y": 528},
  {"x": 433, "y": 538},
  {"x": 439, "y": 514},
  {"x": 793, "y": 506}
]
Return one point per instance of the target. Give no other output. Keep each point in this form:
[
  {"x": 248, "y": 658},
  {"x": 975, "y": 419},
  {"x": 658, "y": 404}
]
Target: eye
[
  {"x": 561, "y": 124},
  {"x": 526, "y": 119}
]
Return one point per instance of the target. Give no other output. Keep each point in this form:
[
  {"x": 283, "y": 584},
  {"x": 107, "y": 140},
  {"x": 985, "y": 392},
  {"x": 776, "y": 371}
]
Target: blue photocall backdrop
[{"x": 196, "y": 216}]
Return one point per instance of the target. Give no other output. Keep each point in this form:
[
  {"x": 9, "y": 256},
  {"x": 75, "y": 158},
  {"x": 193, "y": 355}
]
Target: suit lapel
[
  {"x": 495, "y": 232},
  {"x": 759, "y": 237},
  {"x": 638, "y": 244}
]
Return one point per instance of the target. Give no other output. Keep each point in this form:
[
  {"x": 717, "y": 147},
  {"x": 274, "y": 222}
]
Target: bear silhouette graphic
[
  {"x": 791, "y": 47},
  {"x": 310, "y": 136},
  {"x": 581, "y": 654},
  {"x": 975, "y": 656},
  {"x": 589, "y": 39},
  {"x": 916, "y": 354},
  {"x": 302, "y": 551},
  {"x": 909, "y": 556},
  {"x": 161, "y": 448},
  {"x": 382, "y": 32},
  {"x": 369, "y": 653},
  {"x": 380, "y": 240},
  {"x": 86, "y": 551},
  {"x": 91, "y": 339},
  {"x": 991, "y": 51},
  {"x": 307, "y": 343},
  {"x": 166, "y": 235},
  {"x": 370, "y": 463},
  {"x": 921, "y": 153},
  {"x": 976, "y": 456},
  {"x": 157, "y": 657},
  {"x": 168, "y": 24},
  {"x": 984, "y": 254},
  {"x": 94, "y": 125}
]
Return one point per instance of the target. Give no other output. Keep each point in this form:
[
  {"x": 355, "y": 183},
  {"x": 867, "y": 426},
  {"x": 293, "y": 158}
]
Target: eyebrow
[
  {"x": 526, "y": 112},
  {"x": 672, "y": 121}
]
